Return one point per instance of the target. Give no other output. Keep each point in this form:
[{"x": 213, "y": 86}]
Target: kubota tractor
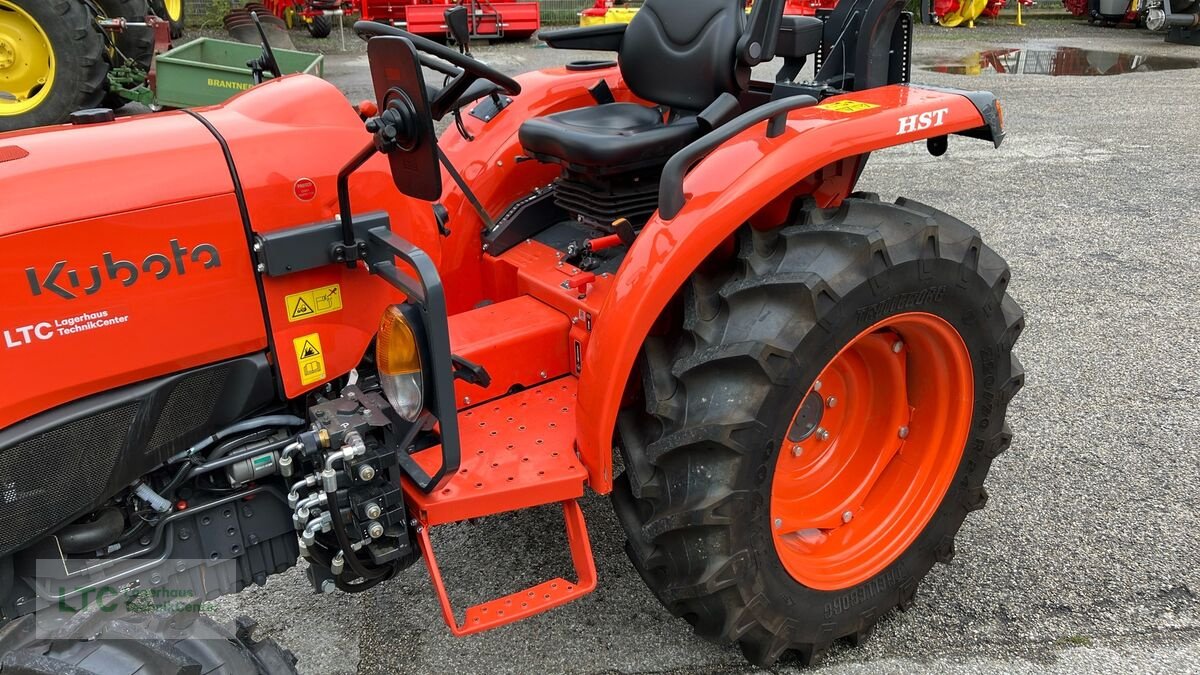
[{"x": 261, "y": 352}]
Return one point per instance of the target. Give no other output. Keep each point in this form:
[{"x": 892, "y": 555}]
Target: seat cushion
[{"x": 613, "y": 135}]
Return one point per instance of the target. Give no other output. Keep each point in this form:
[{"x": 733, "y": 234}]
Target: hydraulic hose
[
  {"x": 352, "y": 561},
  {"x": 102, "y": 532},
  {"x": 245, "y": 425}
]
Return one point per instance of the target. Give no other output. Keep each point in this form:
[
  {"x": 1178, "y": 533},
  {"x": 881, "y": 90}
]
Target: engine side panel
[
  {"x": 288, "y": 139},
  {"x": 101, "y": 303},
  {"x": 69, "y": 173}
]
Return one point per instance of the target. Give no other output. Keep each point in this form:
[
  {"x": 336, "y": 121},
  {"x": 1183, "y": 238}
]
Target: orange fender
[{"x": 749, "y": 176}]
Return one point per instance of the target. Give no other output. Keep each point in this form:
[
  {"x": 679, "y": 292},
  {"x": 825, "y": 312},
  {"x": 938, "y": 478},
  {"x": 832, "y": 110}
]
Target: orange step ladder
[{"x": 517, "y": 453}]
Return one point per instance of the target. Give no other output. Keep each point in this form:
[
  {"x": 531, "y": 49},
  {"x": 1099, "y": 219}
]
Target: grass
[{"x": 1068, "y": 641}]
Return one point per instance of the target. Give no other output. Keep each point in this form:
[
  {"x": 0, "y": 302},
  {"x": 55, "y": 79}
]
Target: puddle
[{"x": 1062, "y": 61}]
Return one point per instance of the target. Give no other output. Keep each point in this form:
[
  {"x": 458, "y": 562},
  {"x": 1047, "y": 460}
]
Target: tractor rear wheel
[
  {"x": 138, "y": 645},
  {"x": 174, "y": 12},
  {"x": 52, "y": 62},
  {"x": 815, "y": 435},
  {"x": 319, "y": 27}
]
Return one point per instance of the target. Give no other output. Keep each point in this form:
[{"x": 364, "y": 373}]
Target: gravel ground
[{"x": 1086, "y": 557}]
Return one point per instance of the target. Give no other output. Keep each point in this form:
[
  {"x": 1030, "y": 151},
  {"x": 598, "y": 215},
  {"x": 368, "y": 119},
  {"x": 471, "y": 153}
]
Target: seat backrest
[{"x": 682, "y": 53}]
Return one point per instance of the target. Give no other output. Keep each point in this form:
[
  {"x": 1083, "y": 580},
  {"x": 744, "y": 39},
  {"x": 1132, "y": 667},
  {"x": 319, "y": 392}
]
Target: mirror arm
[{"x": 350, "y": 247}]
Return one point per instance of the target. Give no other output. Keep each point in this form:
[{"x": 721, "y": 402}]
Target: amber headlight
[{"x": 398, "y": 357}]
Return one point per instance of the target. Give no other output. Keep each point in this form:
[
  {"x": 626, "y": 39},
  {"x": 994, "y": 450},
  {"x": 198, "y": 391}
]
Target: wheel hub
[
  {"x": 871, "y": 451},
  {"x": 808, "y": 418},
  {"x": 8, "y": 54},
  {"x": 26, "y": 61}
]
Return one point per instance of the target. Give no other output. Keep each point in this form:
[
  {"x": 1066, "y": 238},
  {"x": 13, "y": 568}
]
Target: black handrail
[
  {"x": 671, "y": 199},
  {"x": 426, "y": 293}
]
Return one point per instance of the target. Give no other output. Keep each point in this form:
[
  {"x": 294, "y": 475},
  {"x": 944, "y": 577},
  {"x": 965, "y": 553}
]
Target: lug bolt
[
  {"x": 822, "y": 434},
  {"x": 817, "y": 385},
  {"x": 847, "y": 516},
  {"x": 897, "y": 346},
  {"x": 832, "y": 402},
  {"x": 903, "y": 432},
  {"x": 797, "y": 451},
  {"x": 778, "y": 523}
]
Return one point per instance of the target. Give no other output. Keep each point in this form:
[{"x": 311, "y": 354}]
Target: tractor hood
[{"x": 67, "y": 173}]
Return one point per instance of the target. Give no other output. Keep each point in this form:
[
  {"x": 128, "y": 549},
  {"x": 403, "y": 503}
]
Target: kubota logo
[{"x": 69, "y": 282}]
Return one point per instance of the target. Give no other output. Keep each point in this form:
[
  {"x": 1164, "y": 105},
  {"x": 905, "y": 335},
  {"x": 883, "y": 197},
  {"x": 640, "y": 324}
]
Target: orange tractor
[{"x": 651, "y": 278}]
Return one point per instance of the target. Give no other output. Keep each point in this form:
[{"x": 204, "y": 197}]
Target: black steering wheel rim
[{"x": 467, "y": 65}]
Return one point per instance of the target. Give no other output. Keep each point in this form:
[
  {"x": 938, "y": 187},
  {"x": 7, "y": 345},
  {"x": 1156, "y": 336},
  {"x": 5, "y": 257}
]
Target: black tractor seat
[
  {"x": 614, "y": 136},
  {"x": 680, "y": 55}
]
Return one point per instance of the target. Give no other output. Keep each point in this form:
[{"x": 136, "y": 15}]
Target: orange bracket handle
[{"x": 522, "y": 604}]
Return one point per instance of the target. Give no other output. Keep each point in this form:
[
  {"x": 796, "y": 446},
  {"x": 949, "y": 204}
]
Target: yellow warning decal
[
  {"x": 318, "y": 301},
  {"x": 310, "y": 358},
  {"x": 847, "y": 106}
]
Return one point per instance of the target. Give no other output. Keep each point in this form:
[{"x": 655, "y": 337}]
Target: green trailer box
[{"x": 207, "y": 71}]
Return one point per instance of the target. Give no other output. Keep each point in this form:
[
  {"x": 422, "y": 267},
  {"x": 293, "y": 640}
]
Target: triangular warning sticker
[
  {"x": 309, "y": 351},
  {"x": 302, "y": 308}
]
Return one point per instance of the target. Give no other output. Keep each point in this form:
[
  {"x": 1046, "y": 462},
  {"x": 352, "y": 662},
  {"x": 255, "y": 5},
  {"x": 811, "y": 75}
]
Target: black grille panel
[
  {"x": 189, "y": 406},
  {"x": 46, "y": 480}
]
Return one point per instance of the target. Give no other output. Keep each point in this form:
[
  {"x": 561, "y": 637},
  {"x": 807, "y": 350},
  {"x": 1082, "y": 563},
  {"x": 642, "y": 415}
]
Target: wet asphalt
[{"x": 1086, "y": 558}]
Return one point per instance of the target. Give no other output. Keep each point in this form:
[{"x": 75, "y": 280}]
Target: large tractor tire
[
  {"x": 137, "y": 645},
  {"x": 320, "y": 27},
  {"x": 135, "y": 43},
  {"x": 52, "y": 62},
  {"x": 173, "y": 11},
  {"x": 816, "y": 433}
]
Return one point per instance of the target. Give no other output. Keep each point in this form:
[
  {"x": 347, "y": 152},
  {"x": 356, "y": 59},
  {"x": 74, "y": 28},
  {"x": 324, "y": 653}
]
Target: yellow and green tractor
[{"x": 60, "y": 56}]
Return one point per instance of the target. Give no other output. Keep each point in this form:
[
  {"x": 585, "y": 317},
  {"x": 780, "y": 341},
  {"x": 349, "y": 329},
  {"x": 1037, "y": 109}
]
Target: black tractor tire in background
[
  {"x": 319, "y": 27},
  {"x": 177, "y": 22},
  {"x": 82, "y": 68},
  {"x": 132, "y": 645},
  {"x": 695, "y": 496},
  {"x": 135, "y": 42}
]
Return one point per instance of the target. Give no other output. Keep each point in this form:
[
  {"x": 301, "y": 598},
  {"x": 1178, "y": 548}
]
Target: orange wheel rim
[{"x": 871, "y": 451}]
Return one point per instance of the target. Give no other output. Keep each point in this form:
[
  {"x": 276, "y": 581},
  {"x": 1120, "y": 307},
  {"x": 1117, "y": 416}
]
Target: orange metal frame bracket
[{"x": 522, "y": 604}]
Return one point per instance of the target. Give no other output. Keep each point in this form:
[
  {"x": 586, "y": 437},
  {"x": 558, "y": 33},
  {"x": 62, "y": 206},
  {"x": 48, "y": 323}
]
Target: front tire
[
  {"x": 174, "y": 12},
  {"x": 733, "y": 425},
  {"x": 142, "y": 645},
  {"x": 320, "y": 27}
]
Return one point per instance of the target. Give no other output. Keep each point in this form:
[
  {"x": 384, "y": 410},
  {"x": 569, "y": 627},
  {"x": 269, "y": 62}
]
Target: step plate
[{"x": 517, "y": 452}]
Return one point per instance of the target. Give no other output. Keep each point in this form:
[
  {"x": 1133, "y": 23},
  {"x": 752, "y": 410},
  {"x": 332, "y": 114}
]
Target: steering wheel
[
  {"x": 267, "y": 60},
  {"x": 462, "y": 69}
]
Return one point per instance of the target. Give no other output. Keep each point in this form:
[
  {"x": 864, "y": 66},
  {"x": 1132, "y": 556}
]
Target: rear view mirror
[
  {"x": 404, "y": 128},
  {"x": 460, "y": 31}
]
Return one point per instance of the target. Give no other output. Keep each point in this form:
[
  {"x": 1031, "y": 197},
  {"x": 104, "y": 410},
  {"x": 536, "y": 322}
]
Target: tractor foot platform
[{"x": 517, "y": 453}]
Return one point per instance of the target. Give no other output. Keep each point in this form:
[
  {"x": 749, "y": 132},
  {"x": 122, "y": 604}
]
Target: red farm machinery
[{"x": 488, "y": 19}]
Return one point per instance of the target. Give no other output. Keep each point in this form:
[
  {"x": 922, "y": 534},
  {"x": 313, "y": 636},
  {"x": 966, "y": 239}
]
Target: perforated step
[{"x": 517, "y": 452}]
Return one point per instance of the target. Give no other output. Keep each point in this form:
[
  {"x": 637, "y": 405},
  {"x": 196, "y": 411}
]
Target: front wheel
[
  {"x": 174, "y": 12},
  {"x": 816, "y": 433},
  {"x": 320, "y": 27}
]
